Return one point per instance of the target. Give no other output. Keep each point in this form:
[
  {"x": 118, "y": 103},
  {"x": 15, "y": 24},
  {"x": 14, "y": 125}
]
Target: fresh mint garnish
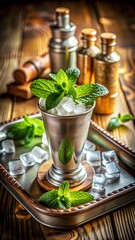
[
  {"x": 117, "y": 121},
  {"x": 65, "y": 151},
  {"x": 26, "y": 130},
  {"x": 88, "y": 93},
  {"x": 42, "y": 88},
  {"x": 73, "y": 74},
  {"x": 53, "y": 100},
  {"x": 64, "y": 84},
  {"x": 63, "y": 198},
  {"x": 80, "y": 197}
]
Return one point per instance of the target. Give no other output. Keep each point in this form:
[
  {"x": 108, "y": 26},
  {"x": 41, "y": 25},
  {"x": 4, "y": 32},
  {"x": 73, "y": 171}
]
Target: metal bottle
[
  {"x": 107, "y": 73},
  {"x": 85, "y": 56},
  {"x": 63, "y": 45}
]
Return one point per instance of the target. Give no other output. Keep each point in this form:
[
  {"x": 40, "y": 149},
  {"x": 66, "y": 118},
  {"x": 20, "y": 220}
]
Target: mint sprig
[
  {"x": 64, "y": 84},
  {"x": 118, "y": 120},
  {"x": 26, "y": 130},
  {"x": 63, "y": 198}
]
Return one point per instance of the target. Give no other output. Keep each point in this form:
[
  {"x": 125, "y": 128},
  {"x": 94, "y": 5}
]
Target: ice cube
[
  {"x": 27, "y": 159},
  {"x": 79, "y": 108},
  {"x": 112, "y": 170},
  {"x": 109, "y": 156},
  {"x": 94, "y": 158},
  {"x": 39, "y": 154},
  {"x": 52, "y": 111},
  {"x": 16, "y": 168},
  {"x": 8, "y": 146},
  {"x": 68, "y": 105},
  {"x": 89, "y": 146},
  {"x": 60, "y": 111},
  {"x": 99, "y": 182},
  {"x": 2, "y": 135}
]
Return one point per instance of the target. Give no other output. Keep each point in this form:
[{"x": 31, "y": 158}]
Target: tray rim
[{"x": 14, "y": 184}]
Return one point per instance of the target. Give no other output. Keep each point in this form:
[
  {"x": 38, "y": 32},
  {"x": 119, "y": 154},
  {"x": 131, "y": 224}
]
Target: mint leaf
[
  {"x": 80, "y": 197},
  {"x": 126, "y": 118},
  {"x": 64, "y": 189},
  {"x": 50, "y": 199},
  {"x": 72, "y": 92},
  {"x": 29, "y": 134},
  {"x": 65, "y": 151},
  {"x": 61, "y": 77},
  {"x": 53, "y": 100},
  {"x": 117, "y": 121},
  {"x": 38, "y": 127},
  {"x": 64, "y": 202},
  {"x": 42, "y": 87},
  {"x": 94, "y": 90},
  {"x": 26, "y": 129},
  {"x": 73, "y": 74},
  {"x": 17, "y": 130},
  {"x": 63, "y": 198}
]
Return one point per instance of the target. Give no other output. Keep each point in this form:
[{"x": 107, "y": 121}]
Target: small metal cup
[{"x": 74, "y": 129}]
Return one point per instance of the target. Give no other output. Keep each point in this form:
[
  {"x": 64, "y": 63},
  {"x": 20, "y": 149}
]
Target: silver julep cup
[{"x": 72, "y": 131}]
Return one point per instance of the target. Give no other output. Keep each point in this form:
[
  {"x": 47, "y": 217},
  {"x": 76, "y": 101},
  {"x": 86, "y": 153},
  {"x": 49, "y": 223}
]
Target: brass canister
[
  {"x": 107, "y": 73},
  {"x": 85, "y": 56}
]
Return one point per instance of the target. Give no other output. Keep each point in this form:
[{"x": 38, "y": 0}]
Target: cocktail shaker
[{"x": 63, "y": 45}]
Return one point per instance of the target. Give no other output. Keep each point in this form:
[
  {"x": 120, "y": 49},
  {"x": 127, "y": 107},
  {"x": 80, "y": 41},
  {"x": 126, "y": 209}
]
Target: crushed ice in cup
[
  {"x": 27, "y": 159},
  {"x": 99, "y": 182},
  {"x": 79, "y": 108},
  {"x": 44, "y": 139},
  {"x": 16, "y": 168},
  {"x": 89, "y": 146},
  {"x": 2, "y": 135},
  {"x": 67, "y": 107},
  {"x": 94, "y": 158},
  {"x": 112, "y": 170},
  {"x": 8, "y": 146},
  {"x": 39, "y": 154},
  {"x": 109, "y": 156}
]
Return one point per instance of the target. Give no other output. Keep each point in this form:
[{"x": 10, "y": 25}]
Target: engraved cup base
[{"x": 73, "y": 178}]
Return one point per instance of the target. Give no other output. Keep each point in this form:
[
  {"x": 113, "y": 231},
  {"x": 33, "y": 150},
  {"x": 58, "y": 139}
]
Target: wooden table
[{"x": 24, "y": 33}]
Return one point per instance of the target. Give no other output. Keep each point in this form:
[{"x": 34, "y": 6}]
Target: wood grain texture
[
  {"x": 10, "y": 41},
  {"x": 12, "y": 228},
  {"x": 99, "y": 229}
]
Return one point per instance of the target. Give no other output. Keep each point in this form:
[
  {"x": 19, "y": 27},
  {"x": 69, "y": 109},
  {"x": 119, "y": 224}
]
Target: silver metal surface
[
  {"x": 74, "y": 129},
  {"x": 63, "y": 45}
]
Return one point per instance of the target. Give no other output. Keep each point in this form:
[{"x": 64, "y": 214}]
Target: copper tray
[{"x": 26, "y": 190}]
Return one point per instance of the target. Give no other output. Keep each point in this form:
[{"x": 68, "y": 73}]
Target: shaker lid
[
  {"x": 108, "y": 38},
  {"x": 62, "y": 11},
  {"x": 89, "y": 34}
]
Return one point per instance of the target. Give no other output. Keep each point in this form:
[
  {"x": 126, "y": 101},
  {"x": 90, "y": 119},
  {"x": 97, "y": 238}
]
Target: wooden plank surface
[
  {"x": 10, "y": 41},
  {"x": 25, "y": 33}
]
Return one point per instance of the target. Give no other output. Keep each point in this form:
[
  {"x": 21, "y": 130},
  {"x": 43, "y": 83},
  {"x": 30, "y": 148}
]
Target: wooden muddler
[{"x": 31, "y": 69}]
